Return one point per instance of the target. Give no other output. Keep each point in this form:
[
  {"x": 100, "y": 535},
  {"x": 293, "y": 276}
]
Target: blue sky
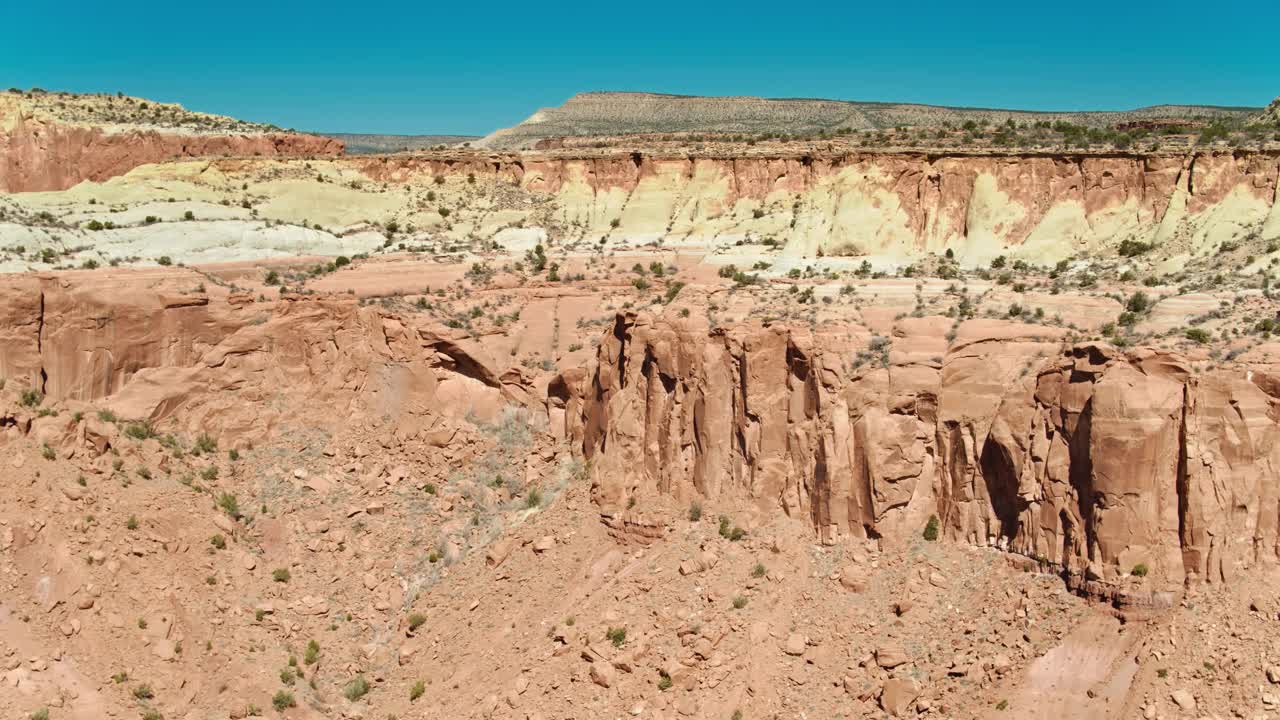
[{"x": 468, "y": 68}]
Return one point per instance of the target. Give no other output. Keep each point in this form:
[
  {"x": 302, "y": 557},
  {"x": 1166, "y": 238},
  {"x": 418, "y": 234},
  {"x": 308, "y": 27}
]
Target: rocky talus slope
[
  {"x": 40, "y": 151},
  {"x": 1116, "y": 466},
  {"x": 230, "y": 503}
]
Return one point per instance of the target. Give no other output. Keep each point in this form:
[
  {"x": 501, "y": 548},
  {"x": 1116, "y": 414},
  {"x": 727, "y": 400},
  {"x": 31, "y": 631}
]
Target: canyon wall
[
  {"x": 37, "y": 154},
  {"x": 158, "y": 347},
  {"x": 1081, "y": 456},
  {"x": 1041, "y": 207}
]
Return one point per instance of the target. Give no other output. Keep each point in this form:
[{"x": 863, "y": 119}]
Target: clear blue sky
[{"x": 470, "y": 67}]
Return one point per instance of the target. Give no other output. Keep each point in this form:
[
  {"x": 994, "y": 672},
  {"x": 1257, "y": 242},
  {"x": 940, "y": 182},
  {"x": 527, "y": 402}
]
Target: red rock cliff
[
  {"x": 1087, "y": 458},
  {"x": 44, "y": 155}
]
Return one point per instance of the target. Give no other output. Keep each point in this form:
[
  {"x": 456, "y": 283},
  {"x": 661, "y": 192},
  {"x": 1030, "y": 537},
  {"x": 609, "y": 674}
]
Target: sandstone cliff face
[
  {"x": 1083, "y": 457},
  {"x": 237, "y": 368},
  {"x": 37, "y": 154},
  {"x": 896, "y": 205}
]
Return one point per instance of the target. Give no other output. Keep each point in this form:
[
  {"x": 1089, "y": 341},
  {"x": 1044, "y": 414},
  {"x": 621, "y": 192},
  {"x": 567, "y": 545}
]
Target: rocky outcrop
[
  {"x": 1100, "y": 462},
  {"x": 41, "y": 154},
  {"x": 1270, "y": 115},
  {"x": 239, "y": 368},
  {"x": 1040, "y": 206}
]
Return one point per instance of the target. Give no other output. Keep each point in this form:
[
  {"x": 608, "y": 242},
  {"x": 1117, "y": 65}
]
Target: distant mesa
[{"x": 623, "y": 113}]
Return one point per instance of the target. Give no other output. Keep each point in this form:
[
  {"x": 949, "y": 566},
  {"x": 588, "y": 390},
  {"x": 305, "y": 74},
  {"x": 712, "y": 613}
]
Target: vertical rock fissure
[
  {"x": 1182, "y": 484},
  {"x": 44, "y": 375},
  {"x": 1081, "y": 476}
]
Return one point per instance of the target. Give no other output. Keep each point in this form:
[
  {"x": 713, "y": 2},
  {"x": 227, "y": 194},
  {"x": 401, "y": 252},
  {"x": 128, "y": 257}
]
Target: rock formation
[
  {"x": 616, "y": 113},
  {"x": 170, "y": 352},
  {"x": 41, "y": 153},
  {"x": 1040, "y": 206},
  {"x": 1091, "y": 459}
]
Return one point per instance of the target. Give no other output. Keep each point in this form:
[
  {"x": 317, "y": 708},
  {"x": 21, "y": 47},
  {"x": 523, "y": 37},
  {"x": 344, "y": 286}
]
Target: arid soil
[{"x": 599, "y": 433}]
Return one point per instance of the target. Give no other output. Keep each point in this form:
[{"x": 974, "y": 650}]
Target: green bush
[
  {"x": 931, "y": 529},
  {"x": 140, "y": 430},
  {"x": 1197, "y": 335},
  {"x": 1133, "y": 248},
  {"x": 283, "y": 700},
  {"x": 1140, "y": 570},
  {"x": 228, "y": 504},
  {"x": 312, "y": 656},
  {"x": 31, "y": 398},
  {"x": 417, "y": 690},
  {"x": 729, "y": 531},
  {"x": 1138, "y": 302},
  {"x": 204, "y": 444},
  {"x": 617, "y": 636},
  {"x": 356, "y": 689}
]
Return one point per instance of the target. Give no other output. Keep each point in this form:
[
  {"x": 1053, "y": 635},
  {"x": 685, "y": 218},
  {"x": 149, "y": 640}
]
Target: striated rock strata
[
  {"x": 42, "y": 154},
  {"x": 1041, "y": 206}
]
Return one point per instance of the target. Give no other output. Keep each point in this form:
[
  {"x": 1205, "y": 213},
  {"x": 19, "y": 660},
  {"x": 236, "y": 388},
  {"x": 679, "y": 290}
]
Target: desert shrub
[
  {"x": 1133, "y": 248},
  {"x": 281, "y": 575},
  {"x": 283, "y": 700},
  {"x": 695, "y": 512},
  {"x": 418, "y": 689},
  {"x": 739, "y": 602},
  {"x": 228, "y": 504},
  {"x": 205, "y": 444},
  {"x": 31, "y": 398},
  {"x": 931, "y": 529},
  {"x": 617, "y": 636},
  {"x": 1140, "y": 570},
  {"x": 141, "y": 430},
  {"x": 1138, "y": 302},
  {"x": 1198, "y": 335},
  {"x": 356, "y": 689},
  {"x": 416, "y": 621}
]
